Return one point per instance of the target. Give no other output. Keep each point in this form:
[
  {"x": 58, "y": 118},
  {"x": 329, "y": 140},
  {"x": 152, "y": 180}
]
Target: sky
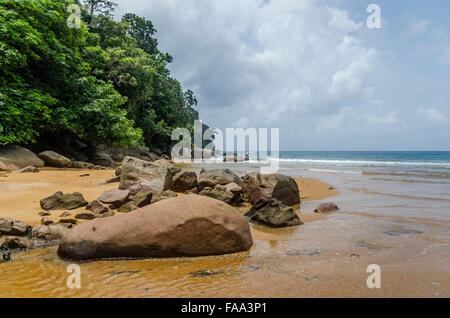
[{"x": 313, "y": 68}]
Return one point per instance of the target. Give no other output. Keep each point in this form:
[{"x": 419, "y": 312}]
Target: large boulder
[
  {"x": 15, "y": 157},
  {"x": 258, "y": 186},
  {"x": 101, "y": 158},
  {"x": 150, "y": 176},
  {"x": 61, "y": 201},
  {"x": 183, "y": 226},
  {"x": 273, "y": 213},
  {"x": 53, "y": 159},
  {"x": 211, "y": 178},
  {"x": 184, "y": 181}
]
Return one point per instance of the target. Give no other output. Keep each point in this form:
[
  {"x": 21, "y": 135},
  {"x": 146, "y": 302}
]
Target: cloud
[
  {"x": 286, "y": 63},
  {"x": 418, "y": 27},
  {"x": 433, "y": 115}
]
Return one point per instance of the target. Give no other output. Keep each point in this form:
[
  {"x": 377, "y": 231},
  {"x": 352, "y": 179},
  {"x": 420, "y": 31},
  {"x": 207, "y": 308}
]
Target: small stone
[
  {"x": 68, "y": 221},
  {"x": 28, "y": 169},
  {"x": 46, "y": 221},
  {"x": 142, "y": 198},
  {"x": 87, "y": 215},
  {"x": 115, "y": 197},
  {"x": 46, "y": 213},
  {"x": 64, "y": 214},
  {"x": 326, "y": 207},
  {"x": 127, "y": 207}
]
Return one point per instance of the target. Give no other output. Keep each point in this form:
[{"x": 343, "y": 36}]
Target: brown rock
[
  {"x": 258, "y": 186},
  {"x": 184, "y": 180},
  {"x": 97, "y": 207},
  {"x": 326, "y": 207},
  {"x": 87, "y": 215},
  {"x": 28, "y": 169},
  {"x": 115, "y": 197},
  {"x": 17, "y": 242},
  {"x": 46, "y": 213},
  {"x": 127, "y": 207},
  {"x": 68, "y": 221},
  {"x": 65, "y": 214},
  {"x": 184, "y": 226},
  {"x": 46, "y": 221},
  {"x": 142, "y": 198}
]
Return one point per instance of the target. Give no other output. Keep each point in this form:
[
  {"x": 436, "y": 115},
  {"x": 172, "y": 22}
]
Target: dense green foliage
[{"x": 105, "y": 82}]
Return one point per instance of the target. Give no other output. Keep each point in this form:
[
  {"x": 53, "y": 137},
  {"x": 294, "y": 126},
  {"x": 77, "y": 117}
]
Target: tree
[{"x": 105, "y": 7}]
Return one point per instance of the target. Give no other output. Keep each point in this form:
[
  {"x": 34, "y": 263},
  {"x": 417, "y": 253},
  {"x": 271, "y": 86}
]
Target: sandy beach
[{"x": 325, "y": 257}]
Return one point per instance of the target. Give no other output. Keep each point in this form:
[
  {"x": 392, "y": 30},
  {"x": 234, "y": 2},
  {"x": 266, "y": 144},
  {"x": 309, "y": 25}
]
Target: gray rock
[
  {"x": 60, "y": 201},
  {"x": 53, "y": 159},
  {"x": 83, "y": 165},
  {"x": 142, "y": 198},
  {"x": 15, "y": 157},
  {"x": 273, "y": 213},
  {"x": 127, "y": 207},
  {"x": 219, "y": 193},
  {"x": 101, "y": 158},
  {"x": 211, "y": 178},
  {"x": 49, "y": 232},
  {"x": 144, "y": 175}
]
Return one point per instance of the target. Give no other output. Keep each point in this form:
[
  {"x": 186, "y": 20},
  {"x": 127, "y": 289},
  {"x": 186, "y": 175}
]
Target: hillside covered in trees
[{"x": 104, "y": 82}]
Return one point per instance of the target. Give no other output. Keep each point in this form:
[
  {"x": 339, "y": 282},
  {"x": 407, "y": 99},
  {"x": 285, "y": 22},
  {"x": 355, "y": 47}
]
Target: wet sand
[{"x": 326, "y": 257}]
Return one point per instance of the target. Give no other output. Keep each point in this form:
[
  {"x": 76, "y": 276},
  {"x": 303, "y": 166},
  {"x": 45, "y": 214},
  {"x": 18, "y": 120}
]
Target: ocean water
[{"x": 385, "y": 183}]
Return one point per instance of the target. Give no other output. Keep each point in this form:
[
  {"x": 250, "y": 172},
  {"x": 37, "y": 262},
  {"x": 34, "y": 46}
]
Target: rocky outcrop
[
  {"x": 144, "y": 175},
  {"x": 211, "y": 178},
  {"x": 114, "y": 197},
  {"x": 53, "y": 159},
  {"x": 184, "y": 226},
  {"x": 326, "y": 207},
  {"x": 15, "y": 157},
  {"x": 273, "y": 213},
  {"x": 184, "y": 181},
  {"x": 61, "y": 201},
  {"x": 257, "y": 186}
]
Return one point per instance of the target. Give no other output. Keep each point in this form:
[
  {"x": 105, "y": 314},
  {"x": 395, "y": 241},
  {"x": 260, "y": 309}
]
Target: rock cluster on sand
[
  {"x": 273, "y": 213},
  {"x": 211, "y": 178},
  {"x": 257, "y": 186},
  {"x": 61, "y": 201},
  {"x": 326, "y": 207},
  {"x": 13, "y": 227},
  {"x": 184, "y": 226}
]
